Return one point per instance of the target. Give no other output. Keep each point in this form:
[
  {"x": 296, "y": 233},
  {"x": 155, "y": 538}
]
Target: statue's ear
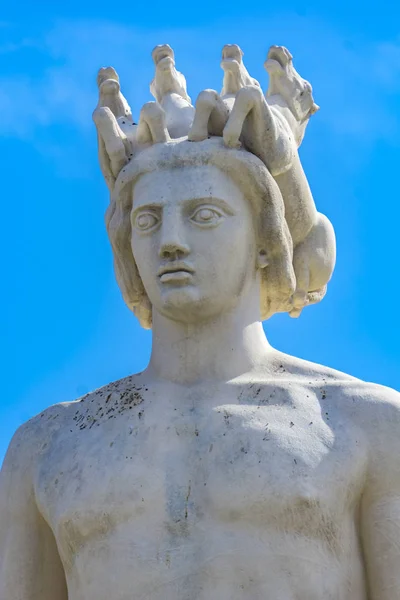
[{"x": 262, "y": 259}]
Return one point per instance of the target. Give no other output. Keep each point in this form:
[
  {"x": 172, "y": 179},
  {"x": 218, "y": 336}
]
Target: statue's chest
[
  {"x": 256, "y": 463},
  {"x": 260, "y": 464}
]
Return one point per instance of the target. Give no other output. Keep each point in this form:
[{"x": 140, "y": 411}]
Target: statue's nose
[
  {"x": 173, "y": 242},
  {"x": 174, "y": 249},
  {"x": 173, "y": 239}
]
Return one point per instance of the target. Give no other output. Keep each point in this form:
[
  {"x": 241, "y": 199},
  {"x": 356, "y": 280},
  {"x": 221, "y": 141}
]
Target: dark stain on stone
[{"x": 106, "y": 403}]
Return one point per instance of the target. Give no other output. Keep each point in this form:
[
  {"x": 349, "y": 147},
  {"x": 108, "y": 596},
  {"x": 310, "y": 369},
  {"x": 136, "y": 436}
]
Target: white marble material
[
  {"x": 213, "y": 109},
  {"x": 116, "y": 131},
  {"x": 273, "y": 128},
  {"x": 226, "y": 470},
  {"x": 169, "y": 89}
]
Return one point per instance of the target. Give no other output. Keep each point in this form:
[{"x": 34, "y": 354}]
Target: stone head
[
  {"x": 193, "y": 226},
  {"x": 285, "y": 81}
]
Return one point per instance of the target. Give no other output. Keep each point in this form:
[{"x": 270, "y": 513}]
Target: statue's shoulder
[
  {"x": 376, "y": 411},
  {"x": 32, "y": 437},
  {"x": 36, "y": 435},
  {"x": 373, "y": 408}
]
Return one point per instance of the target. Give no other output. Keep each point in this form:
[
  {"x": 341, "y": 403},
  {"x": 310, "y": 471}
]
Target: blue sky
[{"x": 64, "y": 327}]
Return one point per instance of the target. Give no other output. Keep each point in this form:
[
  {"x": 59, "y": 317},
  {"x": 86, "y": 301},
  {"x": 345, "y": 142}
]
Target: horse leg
[
  {"x": 313, "y": 261},
  {"x": 262, "y": 131},
  {"x": 250, "y": 108},
  {"x": 112, "y": 137},
  {"x": 218, "y": 117},
  {"x": 301, "y": 260},
  {"x": 152, "y": 128},
  {"x": 210, "y": 116}
]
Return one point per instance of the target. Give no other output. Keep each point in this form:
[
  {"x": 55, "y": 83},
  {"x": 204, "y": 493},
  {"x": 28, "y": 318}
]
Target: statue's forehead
[{"x": 185, "y": 183}]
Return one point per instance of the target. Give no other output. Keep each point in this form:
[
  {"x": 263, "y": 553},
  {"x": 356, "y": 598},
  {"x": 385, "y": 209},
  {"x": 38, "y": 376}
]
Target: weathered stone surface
[{"x": 227, "y": 470}]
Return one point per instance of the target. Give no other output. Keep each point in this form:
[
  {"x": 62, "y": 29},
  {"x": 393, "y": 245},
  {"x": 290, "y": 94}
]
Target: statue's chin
[{"x": 188, "y": 305}]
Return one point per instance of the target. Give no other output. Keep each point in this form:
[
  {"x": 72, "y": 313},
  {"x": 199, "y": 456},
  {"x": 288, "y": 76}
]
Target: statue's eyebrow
[{"x": 148, "y": 206}]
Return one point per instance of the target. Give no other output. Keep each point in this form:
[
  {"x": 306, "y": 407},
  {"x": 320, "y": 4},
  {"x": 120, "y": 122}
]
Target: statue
[
  {"x": 273, "y": 128},
  {"x": 169, "y": 89},
  {"x": 116, "y": 131},
  {"x": 226, "y": 469},
  {"x": 213, "y": 109}
]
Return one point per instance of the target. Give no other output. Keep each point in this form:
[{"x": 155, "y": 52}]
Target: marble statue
[
  {"x": 226, "y": 470},
  {"x": 169, "y": 89},
  {"x": 273, "y": 128},
  {"x": 116, "y": 131}
]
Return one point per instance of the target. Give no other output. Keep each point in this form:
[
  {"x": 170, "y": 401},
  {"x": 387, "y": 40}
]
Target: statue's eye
[
  {"x": 206, "y": 216},
  {"x": 145, "y": 221}
]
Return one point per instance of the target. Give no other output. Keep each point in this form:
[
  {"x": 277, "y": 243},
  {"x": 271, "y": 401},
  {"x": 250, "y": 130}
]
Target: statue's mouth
[{"x": 175, "y": 272}]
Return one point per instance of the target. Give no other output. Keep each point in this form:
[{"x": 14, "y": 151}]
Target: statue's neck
[
  {"x": 298, "y": 128},
  {"x": 228, "y": 346}
]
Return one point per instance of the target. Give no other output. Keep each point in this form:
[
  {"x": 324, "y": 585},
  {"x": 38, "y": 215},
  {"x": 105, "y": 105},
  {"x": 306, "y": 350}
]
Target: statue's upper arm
[
  {"x": 380, "y": 510},
  {"x": 30, "y": 567}
]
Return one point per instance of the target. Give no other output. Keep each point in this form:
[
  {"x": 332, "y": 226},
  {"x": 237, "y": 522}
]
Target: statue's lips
[{"x": 176, "y": 273}]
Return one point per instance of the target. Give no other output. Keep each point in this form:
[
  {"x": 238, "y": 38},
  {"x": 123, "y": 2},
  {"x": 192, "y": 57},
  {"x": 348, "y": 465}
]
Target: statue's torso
[{"x": 239, "y": 492}]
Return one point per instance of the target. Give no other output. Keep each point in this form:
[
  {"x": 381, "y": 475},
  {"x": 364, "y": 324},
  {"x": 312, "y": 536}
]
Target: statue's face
[{"x": 193, "y": 240}]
